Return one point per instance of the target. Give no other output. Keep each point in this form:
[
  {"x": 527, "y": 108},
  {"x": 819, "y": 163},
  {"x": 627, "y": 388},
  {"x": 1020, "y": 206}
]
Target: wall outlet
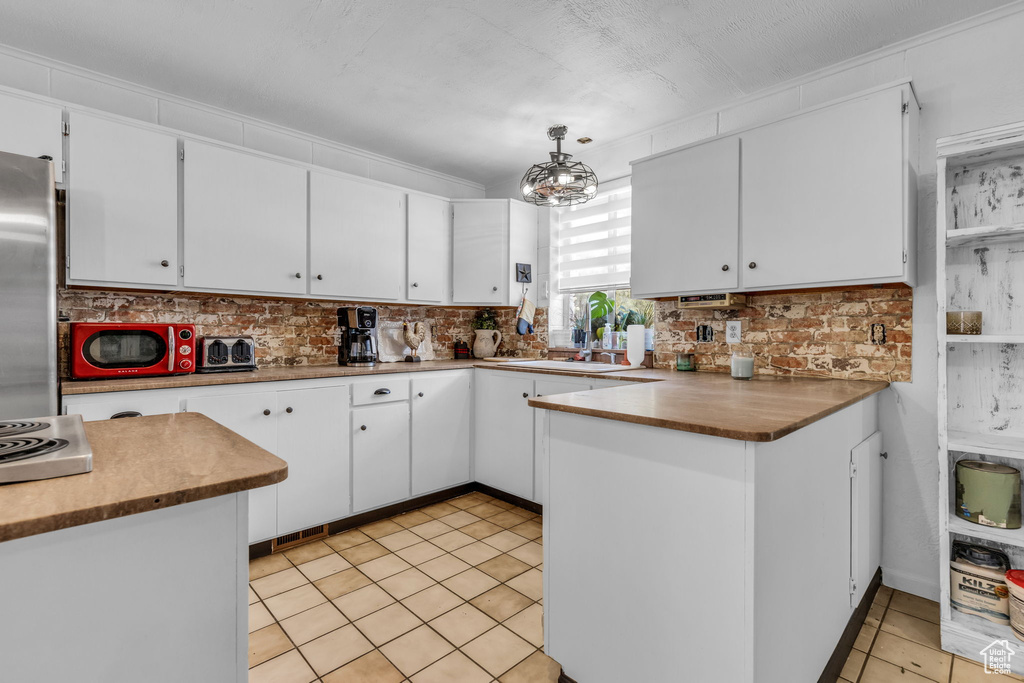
[
  {"x": 877, "y": 335},
  {"x": 733, "y": 331}
]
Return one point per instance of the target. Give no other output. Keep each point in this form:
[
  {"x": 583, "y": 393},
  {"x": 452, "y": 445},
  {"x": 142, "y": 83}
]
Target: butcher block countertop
[
  {"x": 764, "y": 408},
  {"x": 138, "y": 465}
]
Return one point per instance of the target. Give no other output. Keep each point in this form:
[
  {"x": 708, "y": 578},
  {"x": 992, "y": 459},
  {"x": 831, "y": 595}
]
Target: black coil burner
[
  {"x": 13, "y": 428},
  {"x": 28, "y": 447}
]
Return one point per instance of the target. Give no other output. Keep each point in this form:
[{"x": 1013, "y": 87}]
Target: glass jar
[{"x": 742, "y": 364}]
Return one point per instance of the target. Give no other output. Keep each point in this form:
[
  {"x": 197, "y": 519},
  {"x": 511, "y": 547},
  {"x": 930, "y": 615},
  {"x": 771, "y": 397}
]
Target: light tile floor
[
  {"x": 899, "y": 642},
  {"x": 447, "y": 593}
]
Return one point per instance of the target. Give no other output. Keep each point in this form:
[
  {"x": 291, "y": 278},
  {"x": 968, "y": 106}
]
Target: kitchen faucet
[{"x": 611, "y": 355}]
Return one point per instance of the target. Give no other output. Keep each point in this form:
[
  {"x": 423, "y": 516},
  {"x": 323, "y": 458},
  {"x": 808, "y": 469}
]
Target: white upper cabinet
[
  {"x": 685, "y": 220},
  {"x": 489, "y": 236},
  {"x": 33, "y": 129},
  {"x": 356, "y": 238},
  {"x": 245, "y": 221},
  {"x": 122, "y": 204},
  {"x": 822, "y": 198},
  {"x": 429, "y": 239},
  {"x": 823, "y": 195}
]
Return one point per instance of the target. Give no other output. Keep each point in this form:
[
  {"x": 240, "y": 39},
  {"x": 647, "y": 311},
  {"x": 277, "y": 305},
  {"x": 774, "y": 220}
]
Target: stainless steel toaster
[{"x": 225, "y": 354}]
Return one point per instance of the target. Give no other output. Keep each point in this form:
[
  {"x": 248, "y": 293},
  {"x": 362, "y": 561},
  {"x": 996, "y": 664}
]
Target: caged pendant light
[{"x": 559, "y": 182}]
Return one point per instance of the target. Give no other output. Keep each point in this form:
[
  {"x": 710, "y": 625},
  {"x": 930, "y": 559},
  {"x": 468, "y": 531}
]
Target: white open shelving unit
[{"x": 980, "y": 267}]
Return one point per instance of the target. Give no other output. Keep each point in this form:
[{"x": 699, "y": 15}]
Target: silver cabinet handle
[
  {"x": 288, "y": 409},
  {"x": 752, "y": 265},
  {"x": 382, "y": 392},
  {"x": 725, "y": 267},
  {"x": 298, "y": 276},
  {"x": 170, "y": 349},
  {"x": 266, "y": 411},
  {"x": 165, "y": 263},
  {"x": 363, "y": 428}
]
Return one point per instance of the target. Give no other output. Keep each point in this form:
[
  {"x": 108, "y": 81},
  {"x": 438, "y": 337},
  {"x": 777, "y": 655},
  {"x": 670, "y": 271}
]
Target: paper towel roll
[{"x": 635, "y": 345}]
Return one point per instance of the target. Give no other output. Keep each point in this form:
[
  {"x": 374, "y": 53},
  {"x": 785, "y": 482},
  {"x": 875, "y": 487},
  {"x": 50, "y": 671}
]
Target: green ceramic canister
[{"x": 988, "y": 493}]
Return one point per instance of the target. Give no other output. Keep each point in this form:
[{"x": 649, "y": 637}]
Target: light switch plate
[{"x": 733, "y": 331}]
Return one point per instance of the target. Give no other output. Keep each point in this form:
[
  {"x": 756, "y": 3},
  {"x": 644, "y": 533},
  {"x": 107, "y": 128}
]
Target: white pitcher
[{"x": 486, "y": 343}]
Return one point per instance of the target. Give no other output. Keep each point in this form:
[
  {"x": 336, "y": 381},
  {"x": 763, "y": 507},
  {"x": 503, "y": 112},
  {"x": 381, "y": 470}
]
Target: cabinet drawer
[{"x": 384, "y": 391}]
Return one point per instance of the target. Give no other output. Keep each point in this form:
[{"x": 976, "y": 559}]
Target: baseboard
[
  {"x": 835, "y": 664},
  {"x": 925, "y": 587},
  {"x": 562, "y": 678},
  {"x": 263, "y": 548}
]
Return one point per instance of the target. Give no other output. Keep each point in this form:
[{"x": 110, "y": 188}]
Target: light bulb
[
  {"x": 590, "y": 189},
  {"x": 527, "y": 189}
]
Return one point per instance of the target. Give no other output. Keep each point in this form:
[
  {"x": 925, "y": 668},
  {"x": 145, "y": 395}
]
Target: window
[{"x": 592, "y": 243}]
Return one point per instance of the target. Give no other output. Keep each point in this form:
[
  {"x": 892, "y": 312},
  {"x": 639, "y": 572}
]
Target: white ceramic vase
[{"x": 485, "y": 343}]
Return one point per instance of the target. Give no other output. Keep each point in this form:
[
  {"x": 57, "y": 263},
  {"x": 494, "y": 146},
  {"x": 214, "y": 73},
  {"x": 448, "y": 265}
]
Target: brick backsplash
[
  {"x": 287, "y": 331},
  {"x": 816, "y": 333}
]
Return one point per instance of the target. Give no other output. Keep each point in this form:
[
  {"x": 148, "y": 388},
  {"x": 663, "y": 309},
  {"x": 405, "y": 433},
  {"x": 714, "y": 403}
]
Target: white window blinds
[{"x": 593, "y": 241}]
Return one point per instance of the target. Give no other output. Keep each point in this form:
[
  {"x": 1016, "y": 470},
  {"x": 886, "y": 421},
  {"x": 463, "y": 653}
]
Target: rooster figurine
[{"x": 413, "y": 335}]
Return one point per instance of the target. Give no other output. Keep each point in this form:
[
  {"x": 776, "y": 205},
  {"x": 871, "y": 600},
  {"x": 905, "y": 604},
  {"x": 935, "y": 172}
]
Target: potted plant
[
  {"x": 645, "y": 311},
  {"x": 602, "y": 313},
  {"x": 485, "y": 330}
]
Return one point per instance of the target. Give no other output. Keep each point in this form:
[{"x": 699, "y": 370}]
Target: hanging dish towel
[{"x": 524, "y": 316}]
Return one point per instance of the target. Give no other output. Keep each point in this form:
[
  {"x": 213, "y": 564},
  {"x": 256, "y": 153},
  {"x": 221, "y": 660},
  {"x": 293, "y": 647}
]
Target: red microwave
[{"x": 131, "y": 350}]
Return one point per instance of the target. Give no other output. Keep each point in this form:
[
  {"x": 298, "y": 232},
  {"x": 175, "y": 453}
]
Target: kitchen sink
[{"x": 566, "y": 366}]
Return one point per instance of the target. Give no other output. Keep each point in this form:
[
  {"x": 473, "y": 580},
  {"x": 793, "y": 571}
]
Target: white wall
[
  {"x": 74, "y": 85},
  {"x": 966, "y": 77}
]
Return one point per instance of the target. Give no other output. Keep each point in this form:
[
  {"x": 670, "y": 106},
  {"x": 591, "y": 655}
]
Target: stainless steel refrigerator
[{"x": 28, "y": 288}]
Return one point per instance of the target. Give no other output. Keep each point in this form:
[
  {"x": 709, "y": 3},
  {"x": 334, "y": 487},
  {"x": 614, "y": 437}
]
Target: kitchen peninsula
[
  {"x": 138, "y": 569},
  {"x": 737, "y": 499}
]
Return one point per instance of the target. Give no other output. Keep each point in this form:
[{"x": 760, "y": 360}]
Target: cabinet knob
[
  {"x": 319, "y": 277},
  {"x": 298, "y": 276},
  {"x": 526, "y": 395},
  {"x": 725, "y": 267},
  {"x": 288, "y": 409},
  {"x": 165, "y": 263},
  {"x": 267, "y": 411},
  {"x": 752, "y": 265},
  {"x": 494, "y": 289},
  {"x": 363, "y": 428},
  {"x": 415, "y": 284},
  {"x": 420, "y": 394}
]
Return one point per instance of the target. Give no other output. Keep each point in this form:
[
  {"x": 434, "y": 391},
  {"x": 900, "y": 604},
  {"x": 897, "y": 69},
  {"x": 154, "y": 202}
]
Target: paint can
[
  {"x": 977, "y": 582},
  {"x": 1015, "y": 582},
  {"x": 988, "y": 493}
]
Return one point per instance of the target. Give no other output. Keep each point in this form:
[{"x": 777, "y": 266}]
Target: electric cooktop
[{"x": 43, "y": 448}]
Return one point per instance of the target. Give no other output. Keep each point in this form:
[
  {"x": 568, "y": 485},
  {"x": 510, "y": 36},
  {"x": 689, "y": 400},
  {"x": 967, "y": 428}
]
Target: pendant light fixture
[{"x": 559, "y": 182}]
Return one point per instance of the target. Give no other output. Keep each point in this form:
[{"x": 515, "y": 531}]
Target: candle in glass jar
[{"x": 742, "y": 365}]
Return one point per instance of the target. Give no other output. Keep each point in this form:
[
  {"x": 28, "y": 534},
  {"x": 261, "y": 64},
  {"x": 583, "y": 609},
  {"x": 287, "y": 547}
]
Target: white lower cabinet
[
  {"x": 254, "y": 416},
  {"x": 380, "y": 455},
  {"x": 504, "y": 432},
  {"x": 441, "y": 415},
  {"x": 122, "y": 404},
  {"x": 312, "y": 437}
]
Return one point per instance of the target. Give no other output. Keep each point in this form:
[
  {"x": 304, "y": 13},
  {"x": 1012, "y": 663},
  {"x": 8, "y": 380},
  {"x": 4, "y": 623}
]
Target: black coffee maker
[{"x": 358, "y": 336}]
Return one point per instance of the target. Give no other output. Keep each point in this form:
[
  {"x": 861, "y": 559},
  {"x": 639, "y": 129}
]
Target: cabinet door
[
  {"x": 441, "y": 413},
  {"x": 428, "y": 248},
  {"x": 380, "y": 455},
  {"x": 245, "y": 221},
  {"x": 313, "y": 438},
  {"x": 356, "y": 238},
  {"x": 479, "y": 252},
  {"x": 685, "y": 220},
  {"x": 504, "y": 432},
  {"x": 522, "y": 248},
  {"x": 548, "y": 387},
  {"x": 32, "y": 129},
  {"x": 122, "y": 203},
  {"x": 142, "y": 402},
  {"x": 823, "y": 195},
  {"x": 254, "y": 416}
]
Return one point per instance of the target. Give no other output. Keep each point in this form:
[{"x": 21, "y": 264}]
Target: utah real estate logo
[{"x": 997, "y": 657}]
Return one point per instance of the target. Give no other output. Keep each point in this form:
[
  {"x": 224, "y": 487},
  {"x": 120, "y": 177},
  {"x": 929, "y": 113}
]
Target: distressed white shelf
[
  {"x": 988, "y": 234},
  {"x": 986, "y": 443},
  {"x": 985, "y": 338},
  {"x": 1014, "y": 537}
]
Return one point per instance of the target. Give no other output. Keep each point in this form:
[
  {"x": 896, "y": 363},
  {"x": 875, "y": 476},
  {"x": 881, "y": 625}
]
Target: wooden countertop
[
  {"x": 761, "y": 409},
  {"x": 140, "y": 464}
]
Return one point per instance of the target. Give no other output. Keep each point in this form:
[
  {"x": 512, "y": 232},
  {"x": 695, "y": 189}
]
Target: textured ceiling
[{"x": 467, "y": 87}]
